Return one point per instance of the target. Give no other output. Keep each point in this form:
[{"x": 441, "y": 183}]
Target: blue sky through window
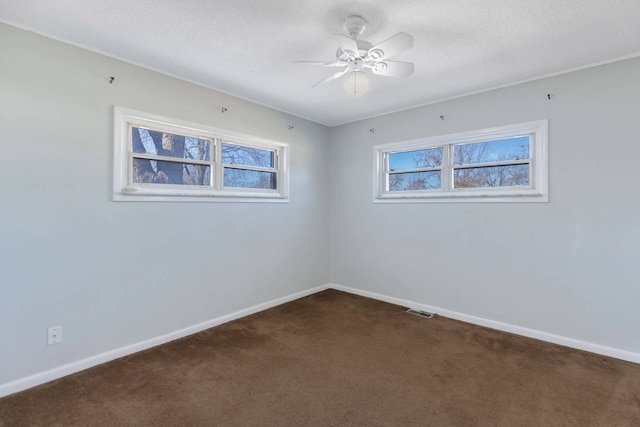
[
  {"x": 427, "y": 158},
  {"x": 493, "y": 150}
]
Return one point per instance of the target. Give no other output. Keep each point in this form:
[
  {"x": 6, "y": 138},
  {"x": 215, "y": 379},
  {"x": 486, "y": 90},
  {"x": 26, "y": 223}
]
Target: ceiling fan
[{"x": 355, "y": 56}]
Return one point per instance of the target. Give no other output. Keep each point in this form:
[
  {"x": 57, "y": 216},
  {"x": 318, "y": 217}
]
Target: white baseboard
[
  {"x": 70, "y": 368},
  {"x": 519, "y": 330}
]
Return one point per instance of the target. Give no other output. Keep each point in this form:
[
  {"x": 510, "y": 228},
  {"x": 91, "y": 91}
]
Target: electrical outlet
[{"x": 54, "y": 335}]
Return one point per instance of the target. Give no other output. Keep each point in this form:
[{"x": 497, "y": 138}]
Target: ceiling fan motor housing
[
  {"x": 356, "y": 56},
  {"x": 363, "y": 48}
]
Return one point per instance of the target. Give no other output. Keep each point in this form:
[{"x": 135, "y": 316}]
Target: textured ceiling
[{"x": 247, "y": 48}]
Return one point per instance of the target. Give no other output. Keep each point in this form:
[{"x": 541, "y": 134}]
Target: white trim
[
  {"x": 125, "y": 190},
  {"x": 296, "y": 114},
  {"x": 537, "y": 190},
  {"x": 500, "y": 326},
  {"x": 485, "y": 90},
  {"x": 70, "y": 368},
  {"x": 80, "y": 365}
]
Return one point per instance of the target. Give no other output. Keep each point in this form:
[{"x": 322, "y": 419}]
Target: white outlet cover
[{"x": 54, "y": 335}]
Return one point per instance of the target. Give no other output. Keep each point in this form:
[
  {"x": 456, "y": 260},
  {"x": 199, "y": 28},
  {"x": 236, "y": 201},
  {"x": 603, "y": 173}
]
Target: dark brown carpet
[{"x": 335, "y": 359}]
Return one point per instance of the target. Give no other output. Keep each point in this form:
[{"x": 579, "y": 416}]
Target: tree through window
[
  {"x": 166, "y": 159},
  {"x": 170, "y": 158},
  {"x": 508, "y": 162}
]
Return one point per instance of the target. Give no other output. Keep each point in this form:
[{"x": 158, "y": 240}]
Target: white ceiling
[{"x": 247, "y": 48}]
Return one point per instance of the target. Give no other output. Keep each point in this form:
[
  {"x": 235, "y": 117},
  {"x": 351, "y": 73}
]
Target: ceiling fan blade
[
  {"x": 326, "y": 64},
  {"x": 348, "y": 45},
  {"x": 391, "y": 46},
  {"x": 333, "y": 77},
  {"x": 392, "y": 68}
]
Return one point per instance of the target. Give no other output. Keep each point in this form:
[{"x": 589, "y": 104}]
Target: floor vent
[{"x": 421, "y": 313}]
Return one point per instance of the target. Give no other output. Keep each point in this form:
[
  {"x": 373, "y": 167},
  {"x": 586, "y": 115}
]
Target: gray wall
[
  {"x": 568, "y": 267},
  {"x": 117, "y": 273}
]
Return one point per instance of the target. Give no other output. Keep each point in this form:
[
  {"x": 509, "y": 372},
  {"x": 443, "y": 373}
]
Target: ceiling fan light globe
[{"x": 356, "y": 84}]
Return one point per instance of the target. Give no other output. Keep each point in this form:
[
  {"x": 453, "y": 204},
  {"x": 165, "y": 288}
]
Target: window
[
  {"x": 507, "y": 163},
  {"x": 160, "y": 159}
]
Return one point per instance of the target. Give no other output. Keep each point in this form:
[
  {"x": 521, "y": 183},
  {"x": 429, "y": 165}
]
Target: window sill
[
  {"x": 236, "y": 197},
  {"x": 463, "y": 198}
]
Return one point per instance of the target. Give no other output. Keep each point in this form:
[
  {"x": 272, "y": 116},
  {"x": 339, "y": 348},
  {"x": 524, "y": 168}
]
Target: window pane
[
  {"x": 170, "y": 145},
  {"x": 233, "y": 154},
  {"x": 430, "y": 158},
  {"x": 160, "y": 172},
  {"x": 414, "y": 181},
  {"x": 493, "y": 176},
  {"x": 249, "y": 179},
  {"x": 491, "y": 151}
]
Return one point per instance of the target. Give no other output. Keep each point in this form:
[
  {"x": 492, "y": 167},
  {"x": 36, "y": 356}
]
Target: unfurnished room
[{"x": 336, "y": 213}]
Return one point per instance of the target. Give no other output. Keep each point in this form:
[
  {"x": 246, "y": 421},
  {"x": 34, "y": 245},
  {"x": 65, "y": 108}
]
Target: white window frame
[
  {"x": 536, "y": 191},
  {"x": 124, "y": 189}
]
